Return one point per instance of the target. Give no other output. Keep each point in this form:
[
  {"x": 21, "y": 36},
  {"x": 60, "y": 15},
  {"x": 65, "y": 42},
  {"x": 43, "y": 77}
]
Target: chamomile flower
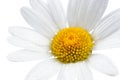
[{"x": 67, "y": 44}]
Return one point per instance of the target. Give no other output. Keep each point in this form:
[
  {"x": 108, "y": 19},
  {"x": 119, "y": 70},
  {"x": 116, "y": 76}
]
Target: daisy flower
[{"x": 66, "y": 44}]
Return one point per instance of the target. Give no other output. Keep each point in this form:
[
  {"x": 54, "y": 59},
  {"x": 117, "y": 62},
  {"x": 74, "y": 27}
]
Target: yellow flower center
[{"x": 71, "y": 45}]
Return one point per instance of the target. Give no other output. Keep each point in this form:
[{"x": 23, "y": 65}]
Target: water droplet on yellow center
[{"x": 71, "y": 45}]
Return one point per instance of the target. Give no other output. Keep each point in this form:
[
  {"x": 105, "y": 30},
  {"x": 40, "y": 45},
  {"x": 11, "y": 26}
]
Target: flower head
[
  {"x": 71, "y": 45},
  {"x": 66, "y": 44}
]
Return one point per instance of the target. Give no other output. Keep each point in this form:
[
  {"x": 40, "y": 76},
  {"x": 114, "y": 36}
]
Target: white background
[{"x": 10, "y": 16}]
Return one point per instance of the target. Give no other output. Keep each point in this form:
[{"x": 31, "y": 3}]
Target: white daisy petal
[
  {"x": 78, "y": 71},
  {"x": 44, "y": 70},
  {"x": 29, "y": 35},
  {"x": 102, "y": 64},
  {"x": 107, "y": 25},
  {"x": 85, "y": 13},
  {"x": 85, "y": 72},
  {"x": 112, "y": 41},
  {"x": 107, "y": 44},
  {"x": 28, "y": 55},
  {"x": 57, "y": 13},
  {"x": 23, "y": 43},
  {"x": 41, "y": 8},
  {"x": 40, "y": 22},
  {"x": 69, "y": 72}
]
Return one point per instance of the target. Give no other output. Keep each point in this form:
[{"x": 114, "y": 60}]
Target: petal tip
[
  {"x": 115, "y": 72},
  {"x": 10, "y": 58}
]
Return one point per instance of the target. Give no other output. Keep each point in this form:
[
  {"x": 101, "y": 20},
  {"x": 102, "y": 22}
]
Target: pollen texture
[{"x": 71, "y": 45}]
